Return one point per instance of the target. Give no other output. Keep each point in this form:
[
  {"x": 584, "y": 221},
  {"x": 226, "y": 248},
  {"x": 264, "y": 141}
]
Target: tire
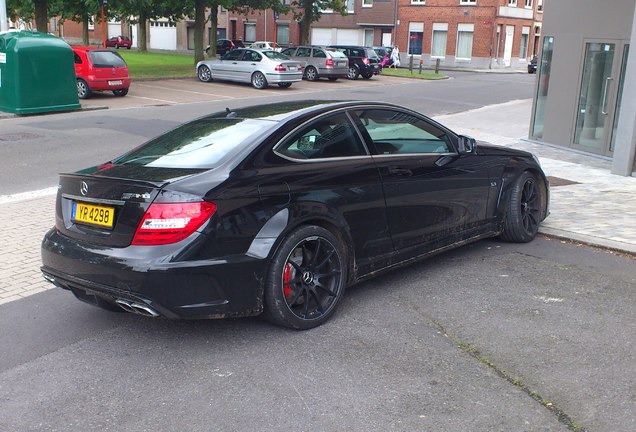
[
  {"x": 120, "y": 92},
  {"x": 259, "y": 81},
  {"x": 311, "y": 73},
  {"x": 204, "y": 73},
  {"x": 367, "y": 75},
  {"x": 333, "y": 78},
  {"x": 284, "y": 85},
  {"x": 306, "y": 279},
  {"x": 128, "y": 47},
  {"x": 353, "y": 73},
  {"x": 523, "y": 214},
  {"x": 83, "y": 90}
]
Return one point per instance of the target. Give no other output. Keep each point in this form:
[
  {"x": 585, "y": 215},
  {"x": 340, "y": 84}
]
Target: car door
[
  {"x": 249, "y": 63},
  {"x": 329, "y": 171},
  {"x": 434, "y": 196},
  {"x": 224, "y": 68}
]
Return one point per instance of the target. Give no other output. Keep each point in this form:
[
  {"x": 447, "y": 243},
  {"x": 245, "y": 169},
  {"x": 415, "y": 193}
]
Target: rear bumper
[
  {"x": 228, "y": 287},
  {"x": 333, "y": 72},
  {"x": 109, "y": 84},
  {"x": 275, "y": 78}
]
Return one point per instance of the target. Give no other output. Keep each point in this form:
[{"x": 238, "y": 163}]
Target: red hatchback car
[
  {"x": 119, "y": 42},
  {"x": 99, "y": 69}
]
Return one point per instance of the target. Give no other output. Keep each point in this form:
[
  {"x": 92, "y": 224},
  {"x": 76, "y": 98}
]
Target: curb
[{"x": 598, "y": 242}]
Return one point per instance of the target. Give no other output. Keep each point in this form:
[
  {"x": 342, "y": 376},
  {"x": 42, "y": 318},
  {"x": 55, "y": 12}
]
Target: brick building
[{"x": 479, "y": 34}]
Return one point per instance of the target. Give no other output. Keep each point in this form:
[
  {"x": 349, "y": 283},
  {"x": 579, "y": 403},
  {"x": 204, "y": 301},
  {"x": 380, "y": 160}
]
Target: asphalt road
[
  {"x": 491, "y": 337},
  {"x": 35, "y": 149}
]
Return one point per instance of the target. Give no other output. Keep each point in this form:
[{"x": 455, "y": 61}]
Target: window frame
[{"x": 367, "y": 3}]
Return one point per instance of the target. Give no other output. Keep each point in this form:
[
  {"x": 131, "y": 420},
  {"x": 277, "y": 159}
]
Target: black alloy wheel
[
  {"x": 306, "y": 279},
  {"x": 523, "y": 215}
]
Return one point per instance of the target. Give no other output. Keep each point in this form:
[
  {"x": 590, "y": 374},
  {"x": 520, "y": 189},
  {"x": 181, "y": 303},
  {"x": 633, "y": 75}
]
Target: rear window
[
  {"x": 372, "y": 54},
  {"x": 203, "y": 143},
  {"x": 275, "y": 55},
  {"x": 106, "y": 59},
  {"x": 337, "y": 54}
]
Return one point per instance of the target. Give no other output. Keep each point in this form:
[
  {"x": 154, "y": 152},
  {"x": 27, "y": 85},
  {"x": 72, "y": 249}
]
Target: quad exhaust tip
[{"x": 137, "y": 308}]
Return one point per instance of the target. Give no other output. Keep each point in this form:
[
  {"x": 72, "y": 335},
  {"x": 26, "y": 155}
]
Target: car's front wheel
[
  {"x": 523, "y": 214},
  {"x": 259, "y": 81},
  {"x": 83, "y": 90},
  {"x": 204, "y": 73},
  {"x": 353, "y": 73},
  {"x": 120, "y": 92},
  {"x": 306, "y": 280}
]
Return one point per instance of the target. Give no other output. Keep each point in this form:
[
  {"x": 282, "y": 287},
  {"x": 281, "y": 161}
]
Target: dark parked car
[
  {"x": 224, "y": 46},
  {"x": 362, "y": 61},
  {"x": 532, "y": 66},
  {"x": 100, "y": 70},
  {"x": 276, "y": 209},
  {"x": 119, "y": 41}
]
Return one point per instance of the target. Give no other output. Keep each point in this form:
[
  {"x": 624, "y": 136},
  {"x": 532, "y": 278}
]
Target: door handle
[
  {"x": 400, "y": 172},
  {"x": 604, "y": 105}
]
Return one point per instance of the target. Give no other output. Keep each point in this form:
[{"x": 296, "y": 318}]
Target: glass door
[{"x": 598, "y": 96}]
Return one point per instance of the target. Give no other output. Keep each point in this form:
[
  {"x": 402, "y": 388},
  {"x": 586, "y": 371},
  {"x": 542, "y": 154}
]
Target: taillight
[
  {"x": 165, "y": 223},
  {"x": 329, "y": 62},
  {"x": 280, "y": 68},
  {"x": 365, "y": 61}
]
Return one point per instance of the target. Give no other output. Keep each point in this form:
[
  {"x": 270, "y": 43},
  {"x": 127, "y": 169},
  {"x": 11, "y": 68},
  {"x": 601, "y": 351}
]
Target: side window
[
  {"x": 396, "y": 132},
  {"x": 303, "y": 52},
  {"x": 357, "y": 53},
  {"x": 289, "y": 51},
  {"x": 252, "y": 56},
  {"x": 318, "y": 53},
  {"x": 78, "y": 60},
  {"x": 329, "y": 137},
  {"x": 233, "y": 55}
]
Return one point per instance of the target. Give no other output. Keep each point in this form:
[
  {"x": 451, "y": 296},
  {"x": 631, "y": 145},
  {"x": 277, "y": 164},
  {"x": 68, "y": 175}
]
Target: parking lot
[{"x": 189, "y": 90}]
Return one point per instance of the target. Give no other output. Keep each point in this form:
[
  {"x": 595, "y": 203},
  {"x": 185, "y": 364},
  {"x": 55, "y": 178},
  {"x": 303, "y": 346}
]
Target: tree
[
  {"x": 80, "y": 11},
  {"x": 308, "y": 12}
]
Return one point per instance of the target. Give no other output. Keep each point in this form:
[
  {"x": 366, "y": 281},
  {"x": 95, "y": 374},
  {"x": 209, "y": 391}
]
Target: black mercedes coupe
[{"x": 276, "y": 209}]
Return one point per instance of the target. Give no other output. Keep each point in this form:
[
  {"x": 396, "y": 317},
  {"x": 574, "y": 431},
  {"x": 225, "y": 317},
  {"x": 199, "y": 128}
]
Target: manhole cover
[{"x": 558, "y": 181}]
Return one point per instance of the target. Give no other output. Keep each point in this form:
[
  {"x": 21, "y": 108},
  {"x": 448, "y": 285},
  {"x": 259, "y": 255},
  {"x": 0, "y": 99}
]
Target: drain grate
[
  {"x": 558, "y": 181},
  {"x": 18, "y": 136}
]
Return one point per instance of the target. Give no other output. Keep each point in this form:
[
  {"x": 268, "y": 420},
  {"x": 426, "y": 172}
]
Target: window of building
[
  {"x": 542, "y": 89},
  {"x": 464, "y": 41},
  {"x": 282, "y": 34},
  {"x": 250, "y": 32},
  {"x": 539, "y": 5},
  {"x": 523, "y": 46},
  {"x": 351, "y": 6},
  {"x": 416, "y": 35},
  {"x": 368, "y": 37},
  {"x": 512, "y": 3},
  {"x": 440, "y": 36},
  {"x": 467, "y": 2},
  {"x": 529, "y": 4},
  {"x": 367, "y": 3},
  {"x": 418, "y": 2}
]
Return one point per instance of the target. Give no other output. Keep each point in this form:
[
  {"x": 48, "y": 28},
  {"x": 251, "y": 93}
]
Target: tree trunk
[
  {"x": 305, "y": 24},
  {"x": 214, "y": 26},
  {"x": 142, "y": 33},
  {"x": 85, "y": 19},
  {"x": 41, "y": 15},
  {"x": 199, "y": 28}
]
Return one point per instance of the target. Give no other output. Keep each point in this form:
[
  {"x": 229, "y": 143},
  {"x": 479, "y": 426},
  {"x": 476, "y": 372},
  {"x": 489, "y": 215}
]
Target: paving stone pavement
[{"x": 597, "y": 208}]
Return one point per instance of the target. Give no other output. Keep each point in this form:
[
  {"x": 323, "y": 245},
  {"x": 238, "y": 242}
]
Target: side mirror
[{"x": 465, "y": 144}]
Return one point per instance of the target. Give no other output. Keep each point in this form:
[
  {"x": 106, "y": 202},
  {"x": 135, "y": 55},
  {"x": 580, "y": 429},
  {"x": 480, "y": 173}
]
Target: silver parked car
[
  {"x": 259, "y": 67},
  {"x": 320, "y": 62}
]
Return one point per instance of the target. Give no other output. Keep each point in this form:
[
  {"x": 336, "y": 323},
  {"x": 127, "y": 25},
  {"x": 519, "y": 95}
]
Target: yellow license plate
[{"x": 93, "y": 214}]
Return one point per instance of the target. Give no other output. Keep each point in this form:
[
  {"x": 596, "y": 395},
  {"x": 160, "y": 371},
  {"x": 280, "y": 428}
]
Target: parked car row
[{"x": 263, "y": 66}]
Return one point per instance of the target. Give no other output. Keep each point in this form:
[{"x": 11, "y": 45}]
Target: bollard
[
  {"x": 411, "y": 63},
  {"x": 436, "y": 66},
  {"x": 421, "y": 61}
]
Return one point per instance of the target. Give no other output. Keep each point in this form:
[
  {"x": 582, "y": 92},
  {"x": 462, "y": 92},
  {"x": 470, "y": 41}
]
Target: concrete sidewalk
[{"x": 588, "y": 204}]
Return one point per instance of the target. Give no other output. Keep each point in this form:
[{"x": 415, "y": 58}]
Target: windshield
[
  {"x": 106, "y": 59},
  {"x": 275, "y": 55},
  {"x": 203, "y": 143}
]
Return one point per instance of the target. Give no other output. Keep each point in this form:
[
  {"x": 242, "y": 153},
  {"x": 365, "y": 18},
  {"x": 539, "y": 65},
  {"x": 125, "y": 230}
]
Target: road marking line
[
  {"x": 153, "y": 99},
  {"x": 186, "y": 91},
  {"x": 4, "y": 199}
]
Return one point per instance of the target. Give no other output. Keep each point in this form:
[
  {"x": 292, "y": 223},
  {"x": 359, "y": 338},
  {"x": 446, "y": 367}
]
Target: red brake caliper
[{"x": 287, "y": 280}]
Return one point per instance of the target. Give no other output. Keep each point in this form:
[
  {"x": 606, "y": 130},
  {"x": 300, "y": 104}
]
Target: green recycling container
[{"x": 37, "y": 73}]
